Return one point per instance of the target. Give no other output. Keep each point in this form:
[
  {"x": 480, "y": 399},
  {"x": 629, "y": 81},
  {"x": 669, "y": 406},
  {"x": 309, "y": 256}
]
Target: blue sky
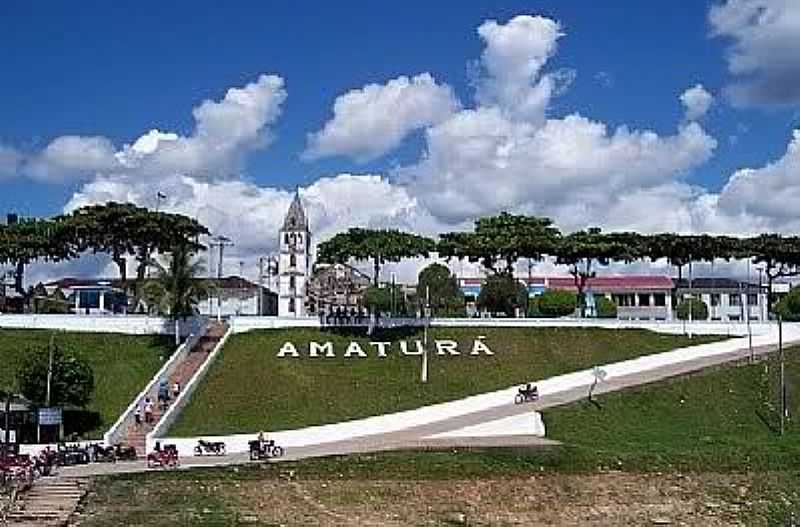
[{"x": 101, "y": 68}]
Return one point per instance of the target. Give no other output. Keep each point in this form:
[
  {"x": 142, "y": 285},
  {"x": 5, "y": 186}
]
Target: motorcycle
[
  {"x": 261, "y": 450},
  {"x": 125, "y": 452},
  {"x": 216, "y": 448},
  {"x": 527, "y": 394},
  {"x": 72, "y": 455},
  {"x": 166, "y": 457},
  {"x": 99, "y": 453}
]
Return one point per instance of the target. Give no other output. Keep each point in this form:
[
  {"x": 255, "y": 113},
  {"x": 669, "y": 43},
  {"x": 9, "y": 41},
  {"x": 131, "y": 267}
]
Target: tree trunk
[
  {"x": 177, "y": 333},
  {"x": 122, "y": 267},
  {"x": 377, "y": 265},
  {"x": 770, "y": 278},
  {"x": 18, "y": 277}
]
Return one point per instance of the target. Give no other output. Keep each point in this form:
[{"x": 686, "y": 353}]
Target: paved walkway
[
  {"x": 50, "y": 502},
  {"x": 413, "y": 437}
]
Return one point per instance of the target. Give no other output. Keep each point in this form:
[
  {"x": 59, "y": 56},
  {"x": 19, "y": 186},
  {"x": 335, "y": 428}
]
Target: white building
[
  {"x": 727, "y": 300},
  {"x": 294, "y": 261}
]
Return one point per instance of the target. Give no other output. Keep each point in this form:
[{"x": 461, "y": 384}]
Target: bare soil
[{"x": 605, "y": 499}]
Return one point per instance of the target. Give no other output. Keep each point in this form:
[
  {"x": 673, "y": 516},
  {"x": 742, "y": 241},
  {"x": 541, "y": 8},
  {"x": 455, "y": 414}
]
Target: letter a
[
  {"x": 288, "y": 349},
  {"x": 478, "y": 346},
  {"x": 354, "y": 349}
]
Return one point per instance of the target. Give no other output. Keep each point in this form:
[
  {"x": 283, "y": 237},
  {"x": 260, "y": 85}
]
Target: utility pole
[
  {"x": 260, "y": 285},
  {"x": 747, "y": 308},
  {"x": 783, "y": 373},
  {"x": 221, "y": 242},
  {"x": 7, "y": 425},
  {"x": 691, "y": 296},
  {"x": 159, "y": 196},
  {"x": 424, "y": 373}
]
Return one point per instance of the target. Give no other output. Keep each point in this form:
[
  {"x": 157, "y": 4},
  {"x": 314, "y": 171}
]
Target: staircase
[
  {"x": 49, "y": 503},
  {"x": 183, "y": 371}
]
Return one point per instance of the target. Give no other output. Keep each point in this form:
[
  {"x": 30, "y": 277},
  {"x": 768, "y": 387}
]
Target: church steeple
[{"x": 296, "y": 217}]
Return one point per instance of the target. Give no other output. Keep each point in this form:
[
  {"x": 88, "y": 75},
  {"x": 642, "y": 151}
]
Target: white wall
[{"x": 126, "y": 324}]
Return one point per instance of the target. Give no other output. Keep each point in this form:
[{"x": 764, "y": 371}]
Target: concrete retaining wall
[{"x": 126, "y": 324}]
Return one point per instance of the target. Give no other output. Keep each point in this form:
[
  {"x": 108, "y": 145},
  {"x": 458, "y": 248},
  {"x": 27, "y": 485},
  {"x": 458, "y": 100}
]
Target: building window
[
  {"x": 660, "y": 299},
  {"x": 752, "y": 299},
  {"x": 291, "y": 304},
  {"x": 292, "y": 283},
  {"x": 286, "y": 238},
  {"x": 734, "y": 299},
  {"x": 644, "y": 299},
  {"x": 733, "y": 318},
  {"x": 292, "y": 260},
  {"x": 715, "y": 299}
]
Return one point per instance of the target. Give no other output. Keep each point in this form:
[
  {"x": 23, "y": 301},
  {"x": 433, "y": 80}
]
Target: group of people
[
  {"x": 166, "y": 394},
  {"x": 340, "y": 316}
]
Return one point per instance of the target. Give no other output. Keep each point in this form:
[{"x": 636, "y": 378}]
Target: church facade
[
  {"x": 309, "y": 289},
  {"x": 294, "y": 261}
]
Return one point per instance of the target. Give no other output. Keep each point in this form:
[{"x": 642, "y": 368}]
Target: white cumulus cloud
[
  {"x": 373, "y": 120},
  {"x": 762, "y": 51},
  {"x": 697, "y": 101}
]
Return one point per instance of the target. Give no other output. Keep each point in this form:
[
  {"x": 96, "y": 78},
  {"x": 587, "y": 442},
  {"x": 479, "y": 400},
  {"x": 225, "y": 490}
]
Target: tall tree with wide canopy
[
  {"x": 498, "y": 242},
  {"x": 779, "y": 254},
  {"x": 378, "y": 245},
  {"x": 581, "y": 250},
  {"x": 26, "y": 240}
]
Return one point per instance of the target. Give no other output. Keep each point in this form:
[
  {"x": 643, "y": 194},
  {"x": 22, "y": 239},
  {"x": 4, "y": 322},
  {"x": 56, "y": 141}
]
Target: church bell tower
[{"x": 294, "y": 261}]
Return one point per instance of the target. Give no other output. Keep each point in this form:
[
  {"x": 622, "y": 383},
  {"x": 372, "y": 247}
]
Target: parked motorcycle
[
  {"x": 261, "y": 450},
  {"x": 101, "y": 454},
  {"x": 125, "y": 452},
  {"x": 216, "y": 448}
]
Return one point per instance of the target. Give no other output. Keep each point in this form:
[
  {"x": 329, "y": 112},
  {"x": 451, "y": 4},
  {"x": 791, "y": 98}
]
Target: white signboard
[{"x": 49, "y": 416}]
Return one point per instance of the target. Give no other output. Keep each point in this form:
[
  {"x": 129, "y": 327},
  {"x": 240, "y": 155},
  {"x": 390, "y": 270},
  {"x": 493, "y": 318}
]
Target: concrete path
[{"x": 429, "y": 435}]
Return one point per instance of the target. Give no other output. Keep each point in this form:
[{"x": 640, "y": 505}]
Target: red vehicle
[{"x": 166, "y": 457}]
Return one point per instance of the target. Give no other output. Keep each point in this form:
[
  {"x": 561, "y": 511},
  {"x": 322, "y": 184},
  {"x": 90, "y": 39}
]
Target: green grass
[
  {"x": 122, "y": 364},
  {"x": 249, "y": 388}
]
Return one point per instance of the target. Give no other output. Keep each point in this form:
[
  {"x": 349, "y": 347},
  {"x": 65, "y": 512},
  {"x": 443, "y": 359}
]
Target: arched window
[
  {"x": 292, "y": 282},
  {"x": 292, "y": 260}
]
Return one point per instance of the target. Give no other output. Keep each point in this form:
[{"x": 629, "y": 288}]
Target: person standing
[
  {"x": 148, "y": 411},
  {"x": 176, "y": 389}
]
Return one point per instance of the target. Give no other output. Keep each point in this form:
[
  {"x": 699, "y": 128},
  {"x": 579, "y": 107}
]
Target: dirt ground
[{"x": 605, "y": 499}]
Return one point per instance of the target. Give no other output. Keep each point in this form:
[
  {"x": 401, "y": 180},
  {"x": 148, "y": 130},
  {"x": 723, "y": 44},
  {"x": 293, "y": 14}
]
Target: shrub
[
  {"x": 71, "y": 383},
  {"x": 502, "y": 293},
  {"x": 699, "y": 309},
  {"x": 606, "y": 308},
  {"x": 557, "y": 303},
  {"x": 789, "y": 306}
]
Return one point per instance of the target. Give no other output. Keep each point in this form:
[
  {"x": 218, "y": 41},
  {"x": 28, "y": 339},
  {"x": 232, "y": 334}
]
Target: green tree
[
  {"x": 502, "y": 293},
  {"x": 378, "y": 299},
  {"x": 699, "y": 309},
  {"x": 446, "y": 297},
  {"x": 780, "y": 256},
  {"x": 176, "y": 288},
  {"x": 606, "y": 308},
  {"x": 498, "y": 242},
  {"x": 72, "y": 380},
  {"x": 582, "y": 250},
  {"x": 789, "y": 306},
  {"x": 557, "y": 303},
  {"x": 379, "y": 246}
]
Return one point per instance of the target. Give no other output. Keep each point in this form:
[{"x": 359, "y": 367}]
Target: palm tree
[{"x": 176, "y": 289}]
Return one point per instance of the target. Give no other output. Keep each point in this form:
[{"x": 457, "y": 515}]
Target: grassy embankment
[
  {"x": 706, "y": 445},
  {"x": 122, "y": 364},
  {"x": 249, "y": 388}
]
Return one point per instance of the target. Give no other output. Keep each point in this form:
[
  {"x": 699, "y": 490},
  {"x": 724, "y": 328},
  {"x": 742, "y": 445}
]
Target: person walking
[
  {"x": 176, "y": 389},
  {"x": 137, "y": 414},
  {"x": 148, "y": 411}
]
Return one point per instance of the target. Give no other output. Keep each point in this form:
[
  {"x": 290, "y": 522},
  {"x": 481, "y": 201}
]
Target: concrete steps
[
  {"x": 183, "y": 372},
  {"x": 49, "y": 503}
]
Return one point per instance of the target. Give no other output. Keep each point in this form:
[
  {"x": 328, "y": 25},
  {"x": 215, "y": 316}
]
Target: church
[{"x": 308, "y": 289}]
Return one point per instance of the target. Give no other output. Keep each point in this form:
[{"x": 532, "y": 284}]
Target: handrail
[{"x": 110, "y": 437}]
